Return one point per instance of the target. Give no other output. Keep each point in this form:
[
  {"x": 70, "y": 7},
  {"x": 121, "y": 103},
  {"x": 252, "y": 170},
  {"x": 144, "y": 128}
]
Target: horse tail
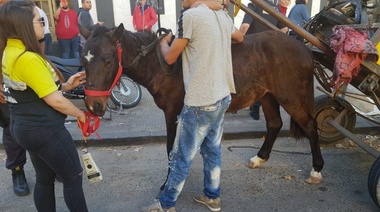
[{"x": 295, "y": 130}]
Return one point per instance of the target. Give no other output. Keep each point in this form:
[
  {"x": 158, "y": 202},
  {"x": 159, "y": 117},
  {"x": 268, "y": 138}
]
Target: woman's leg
[{"x": 54, "y": 146}]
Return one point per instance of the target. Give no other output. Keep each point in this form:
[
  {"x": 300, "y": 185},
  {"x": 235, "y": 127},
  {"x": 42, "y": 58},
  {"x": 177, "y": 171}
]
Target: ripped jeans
[{"x": 198, "y": 127}]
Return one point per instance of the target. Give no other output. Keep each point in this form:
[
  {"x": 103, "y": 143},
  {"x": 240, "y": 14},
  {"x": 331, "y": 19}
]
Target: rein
[
  {"x": 88, "y": 128},
  {"x": 144, "y": 50}
]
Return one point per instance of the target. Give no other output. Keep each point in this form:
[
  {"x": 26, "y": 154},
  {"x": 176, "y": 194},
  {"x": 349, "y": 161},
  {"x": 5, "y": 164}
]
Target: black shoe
[{"x": 20, "y": 186}]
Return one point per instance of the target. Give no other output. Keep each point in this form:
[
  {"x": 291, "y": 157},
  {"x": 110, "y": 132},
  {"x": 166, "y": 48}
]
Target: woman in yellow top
[{"x": 38, "y": 109}]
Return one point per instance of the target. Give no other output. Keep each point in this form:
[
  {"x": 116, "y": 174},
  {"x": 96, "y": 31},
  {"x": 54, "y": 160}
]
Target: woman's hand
[
  {"x": 82, "y": 118},
  {"x": 74, "y": 81}
]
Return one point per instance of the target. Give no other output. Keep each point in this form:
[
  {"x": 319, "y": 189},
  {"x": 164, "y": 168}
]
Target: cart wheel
[
  {"x": 322, "y": 77},
  {"x": 326, "y": 109},
  {"x": 374, "y": 181}
]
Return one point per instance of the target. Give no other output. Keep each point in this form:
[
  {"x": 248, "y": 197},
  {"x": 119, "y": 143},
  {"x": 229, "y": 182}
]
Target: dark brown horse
[{"x": 269, "y": 66}]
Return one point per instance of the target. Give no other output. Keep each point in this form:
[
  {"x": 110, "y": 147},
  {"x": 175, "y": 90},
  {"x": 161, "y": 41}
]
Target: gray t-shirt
[{"x": 206, "y": 60}]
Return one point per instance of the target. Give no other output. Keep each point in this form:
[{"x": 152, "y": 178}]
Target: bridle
[
  {"x": 144, "y": 51},
  {"x": 118, "y": 74}
]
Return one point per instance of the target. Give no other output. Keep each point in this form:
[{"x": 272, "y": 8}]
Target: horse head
[{"x": 101, "y": 62}]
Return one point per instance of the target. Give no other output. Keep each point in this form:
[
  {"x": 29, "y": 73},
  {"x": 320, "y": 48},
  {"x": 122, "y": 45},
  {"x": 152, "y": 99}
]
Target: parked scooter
[{"x": 126, "y": 93}]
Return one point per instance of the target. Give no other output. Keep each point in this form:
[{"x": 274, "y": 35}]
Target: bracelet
[{"x": 59, "y": 87}]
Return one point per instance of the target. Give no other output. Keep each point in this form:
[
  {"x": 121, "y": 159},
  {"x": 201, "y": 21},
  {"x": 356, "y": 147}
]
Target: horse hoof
[
  {"x": 315, "y": 177},
  {"x": 255, "y": 162}
]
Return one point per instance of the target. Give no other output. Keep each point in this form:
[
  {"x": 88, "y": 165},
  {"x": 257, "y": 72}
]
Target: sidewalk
[{"x": 145, "y": 123}]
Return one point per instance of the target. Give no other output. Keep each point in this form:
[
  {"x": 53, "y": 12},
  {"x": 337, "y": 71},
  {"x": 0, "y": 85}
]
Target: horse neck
[{"x": 145, "y": 68}]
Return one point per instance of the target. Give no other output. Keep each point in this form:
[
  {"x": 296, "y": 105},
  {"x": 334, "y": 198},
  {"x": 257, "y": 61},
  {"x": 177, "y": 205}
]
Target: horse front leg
[
  {"x": 171, "y": 130},
  {"x": 272, "y": 115}
]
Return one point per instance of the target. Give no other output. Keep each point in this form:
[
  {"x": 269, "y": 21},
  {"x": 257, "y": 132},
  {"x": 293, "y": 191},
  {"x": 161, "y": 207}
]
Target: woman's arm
[{"x": 60, "y": 103}]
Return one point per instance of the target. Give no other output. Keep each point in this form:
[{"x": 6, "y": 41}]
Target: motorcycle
[{"x": 126, "y": 93}]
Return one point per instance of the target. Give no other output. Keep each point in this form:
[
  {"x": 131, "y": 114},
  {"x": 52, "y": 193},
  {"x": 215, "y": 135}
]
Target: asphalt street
[{"x": 132, "y": 175}]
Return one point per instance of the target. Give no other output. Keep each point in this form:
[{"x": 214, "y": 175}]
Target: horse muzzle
[{"x": 97, "y": 105}]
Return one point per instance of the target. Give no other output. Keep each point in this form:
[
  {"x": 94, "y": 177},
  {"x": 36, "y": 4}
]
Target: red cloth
[
  {"x": 149, "y": 18},
  {"x": 352, "y": 47},
  {"x": 282, "y": 9},
  {"x": 67, "y": 25}
]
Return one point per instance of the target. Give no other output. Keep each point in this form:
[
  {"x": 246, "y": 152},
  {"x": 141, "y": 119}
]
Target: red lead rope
[{"x": 88, "y": 128}]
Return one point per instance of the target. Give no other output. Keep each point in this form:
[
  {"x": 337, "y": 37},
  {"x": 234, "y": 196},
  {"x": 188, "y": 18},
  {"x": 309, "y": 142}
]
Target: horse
[{"x": 269, "y": 66}]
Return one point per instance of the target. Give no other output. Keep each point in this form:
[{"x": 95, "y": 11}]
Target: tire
[
  {"x": 373, "y": 182},
  {"x": 326, "y": 108},
  {"x": 126, "y": 93}
]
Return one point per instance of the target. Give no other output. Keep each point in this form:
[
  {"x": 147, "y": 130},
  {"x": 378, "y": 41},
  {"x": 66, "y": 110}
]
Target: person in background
[
  {"x": 144, "y": 16},
  {"x": 248, "y": 26},
  {"x": 298, "y": 15},
  {"x": 47, "y": 40},
  {"x": 67, "y": 30},
  {"x": 283, "y": 6},
  {"x": 200, "y": 123},
  {"x": 38, "y": 110},
  {"x": 85, "y": 19},
  {"x": 16, "y": 155}
]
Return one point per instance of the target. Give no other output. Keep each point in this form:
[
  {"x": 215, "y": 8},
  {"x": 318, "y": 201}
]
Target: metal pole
[
  {"x": 373, "y": 152},
  {"x": 255, "y": 16},
  {"x": 280, "y": 17},
  {"x": 158, "y": 11}
]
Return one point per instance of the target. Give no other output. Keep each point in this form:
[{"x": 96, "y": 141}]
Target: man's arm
[
  {"x": 237, "y": 36},
  {"x": 244, "y": 28},
  {"x": 172, "y": 52}
]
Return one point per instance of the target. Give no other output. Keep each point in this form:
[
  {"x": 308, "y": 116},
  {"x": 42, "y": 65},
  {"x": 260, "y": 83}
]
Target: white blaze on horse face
[{"x": 89, "y": 56}]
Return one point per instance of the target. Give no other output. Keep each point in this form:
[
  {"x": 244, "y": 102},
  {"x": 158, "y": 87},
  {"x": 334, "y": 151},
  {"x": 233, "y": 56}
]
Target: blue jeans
[
  {"x": 70, "y": 47},
  {"x": 198, "y": 127},
  {"x": 53, "y": 152}
]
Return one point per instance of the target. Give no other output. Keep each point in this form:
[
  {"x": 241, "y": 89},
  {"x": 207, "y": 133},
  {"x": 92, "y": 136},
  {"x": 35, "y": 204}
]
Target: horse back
[{"x": 271, "y": 62}]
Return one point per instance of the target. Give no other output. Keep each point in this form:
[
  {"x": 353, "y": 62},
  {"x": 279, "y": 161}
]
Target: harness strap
[{"x": 88, "y": 128}]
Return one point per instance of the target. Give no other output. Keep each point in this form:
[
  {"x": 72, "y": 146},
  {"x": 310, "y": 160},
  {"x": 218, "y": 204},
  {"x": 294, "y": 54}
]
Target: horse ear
[
  {"x": 116, "y": 33},
  {"x": 84, "y": 32}
]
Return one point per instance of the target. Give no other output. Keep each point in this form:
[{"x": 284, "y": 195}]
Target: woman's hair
[
  {"x": 300, "y": 1},
  {"x": 16, "y": 21}
]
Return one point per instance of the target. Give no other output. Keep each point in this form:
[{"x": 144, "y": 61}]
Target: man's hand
[{"x": 167, "y": 39}]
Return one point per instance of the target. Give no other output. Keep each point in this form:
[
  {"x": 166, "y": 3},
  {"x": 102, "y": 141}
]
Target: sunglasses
[{"x": 40, "y": 21}]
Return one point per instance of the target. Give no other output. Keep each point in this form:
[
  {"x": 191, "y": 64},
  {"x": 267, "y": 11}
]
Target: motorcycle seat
[{"x": 64, "y": 62}]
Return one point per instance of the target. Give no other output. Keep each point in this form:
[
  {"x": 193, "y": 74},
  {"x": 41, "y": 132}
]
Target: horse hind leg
[
  {"x": 302, "y": 123},
  {"x": 271, "y": 110}
]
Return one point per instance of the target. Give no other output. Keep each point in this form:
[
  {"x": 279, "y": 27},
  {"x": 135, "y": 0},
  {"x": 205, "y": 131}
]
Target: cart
[{"x": 335, "y": 116}]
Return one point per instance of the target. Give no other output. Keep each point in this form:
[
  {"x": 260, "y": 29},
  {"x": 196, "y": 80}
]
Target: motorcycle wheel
[{"x": 126, "y": 93}]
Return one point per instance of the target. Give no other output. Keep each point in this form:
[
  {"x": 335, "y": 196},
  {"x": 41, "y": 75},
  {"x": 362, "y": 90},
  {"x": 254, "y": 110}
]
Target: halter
[
  {"x": 143, "y": 51},
  {"x": 119, "y": 72}
]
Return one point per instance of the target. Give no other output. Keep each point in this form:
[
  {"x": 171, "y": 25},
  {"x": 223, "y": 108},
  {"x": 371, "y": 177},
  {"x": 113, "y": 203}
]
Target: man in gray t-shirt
[{"x": 204, "y": 39}]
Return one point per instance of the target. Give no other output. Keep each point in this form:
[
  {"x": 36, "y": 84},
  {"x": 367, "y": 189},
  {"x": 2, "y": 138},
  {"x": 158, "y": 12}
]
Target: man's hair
[{"x": 300, "y": 1}]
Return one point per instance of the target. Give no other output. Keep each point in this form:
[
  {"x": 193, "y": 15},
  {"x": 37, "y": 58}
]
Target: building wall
[{"x": 121, "y": 12}]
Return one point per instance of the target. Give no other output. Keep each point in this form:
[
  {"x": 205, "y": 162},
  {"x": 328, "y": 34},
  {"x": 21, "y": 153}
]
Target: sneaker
[
  {"x": 156, "y": 207},
  {"x": 212, "y": 204},
  {"x": 20, "y": 186}
]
